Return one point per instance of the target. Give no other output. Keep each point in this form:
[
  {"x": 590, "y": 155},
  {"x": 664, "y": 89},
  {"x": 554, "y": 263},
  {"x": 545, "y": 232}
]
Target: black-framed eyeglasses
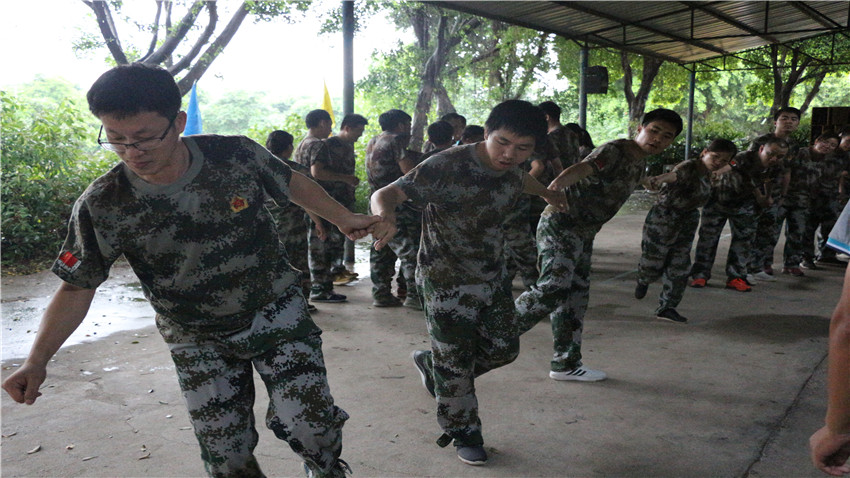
[{"x": 143, "y": 145}]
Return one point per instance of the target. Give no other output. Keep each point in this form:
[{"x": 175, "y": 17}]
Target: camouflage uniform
[
  {"x": 293, "y": 228},
  {"x": 826, "y": 205},
  {"x": 520, "y": 244},
  {"x": 668, "y": 232},
  {"x": 565, "y": 242},
  {"x": 769, "y": 226},
  {"x": 383, "y": 154},
  {"x": 562, "y": 144},
  {"x": 461, "y": 275},
  {"x": 208, "y": 237},
  {"x": 732, "y": 199},
  {"x": 342, "y": 161},
  {"x": 794, "y": 210}
]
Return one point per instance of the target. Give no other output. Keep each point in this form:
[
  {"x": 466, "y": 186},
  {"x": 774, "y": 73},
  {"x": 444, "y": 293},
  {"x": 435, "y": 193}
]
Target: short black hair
[
  {"x": 440, "y": 132},
  {"x": 519, "y": 117},
  {"x": 771, "y": 139},
  {"x": 391, "y": 118},
  {"x": 722, "y": 145},
  {"x": 472, "y": 131},
  {"x": 551, "y": 109},
  {"x": 828, "y": 134},
  {"x": 787, "y": 109},
  {"x": 453, "y": 116},
  {"x": 279, "y": 141},
  {"x": 665, "y": 115},
  {"x": 315, "y": 117},
  {"x": 127, "y": 90},
  {"x": 353, "y": 120}
]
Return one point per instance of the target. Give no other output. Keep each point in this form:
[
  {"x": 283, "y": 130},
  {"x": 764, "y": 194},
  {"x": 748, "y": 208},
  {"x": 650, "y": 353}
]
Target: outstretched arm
[
  {"x": 831, "y": 444},
  {"x": 308, "y": 194},
  {"x": 556, "y": 198},
  {"x": 654, "y": 183},
  {"x": 64, "y": 314},
  {"x": 383, "y": 203},
  {"x": 571, "y": 175}
]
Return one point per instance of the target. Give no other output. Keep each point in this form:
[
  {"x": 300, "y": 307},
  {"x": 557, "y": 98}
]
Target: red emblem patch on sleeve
[
  {"x": 68, "y": 261},
  {"x": 599, "y": 163},
  {"x": 238, "y": 203}
]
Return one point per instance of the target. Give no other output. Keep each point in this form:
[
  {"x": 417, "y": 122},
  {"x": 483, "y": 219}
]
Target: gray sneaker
[
  {"x": 412, "y": 302},
  {"x": 420, "y": 358},
  {"x": 472, "y": 455},
  {"x": 339, "y": 470}
]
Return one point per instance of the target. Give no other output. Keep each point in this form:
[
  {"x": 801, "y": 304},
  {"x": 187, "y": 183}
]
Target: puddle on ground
[{"x": 116, "y": 307}]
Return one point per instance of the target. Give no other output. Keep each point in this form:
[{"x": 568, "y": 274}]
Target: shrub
[{"x": 48, "y": 159}]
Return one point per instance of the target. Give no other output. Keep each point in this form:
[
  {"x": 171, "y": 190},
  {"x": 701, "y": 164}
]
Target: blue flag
[{"x": 194, "y": 125}]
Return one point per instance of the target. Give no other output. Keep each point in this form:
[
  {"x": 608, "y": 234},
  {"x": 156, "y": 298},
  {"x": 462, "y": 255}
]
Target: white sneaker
[
  {"x": 842, "y": 257},
  {"x": 751, "y": 279},
  {"x": 581, "y": 374},
  {"x": 763, "y": 276}
]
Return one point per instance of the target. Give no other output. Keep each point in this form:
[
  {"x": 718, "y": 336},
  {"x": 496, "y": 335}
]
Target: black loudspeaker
[
  {"x": 833, "y": 118},
  {"x": 596, "y": 80}
]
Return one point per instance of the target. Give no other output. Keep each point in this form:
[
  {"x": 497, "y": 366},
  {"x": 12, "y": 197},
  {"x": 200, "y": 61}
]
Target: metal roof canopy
[
  {"x": 682, "y": 32},
  {"x": 688, "y": 33}
]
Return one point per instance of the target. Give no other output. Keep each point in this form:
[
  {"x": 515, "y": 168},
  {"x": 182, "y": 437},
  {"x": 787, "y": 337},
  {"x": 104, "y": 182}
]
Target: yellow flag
[{"x": 326, "y": 104}]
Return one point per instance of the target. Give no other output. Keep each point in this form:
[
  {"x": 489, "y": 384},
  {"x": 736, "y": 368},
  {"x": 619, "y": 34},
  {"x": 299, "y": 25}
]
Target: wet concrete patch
[{"x": 770, "y": 328}]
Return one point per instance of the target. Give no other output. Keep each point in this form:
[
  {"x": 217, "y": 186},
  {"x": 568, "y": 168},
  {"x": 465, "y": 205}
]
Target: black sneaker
[
  {"x": 328, "y": 297},
  {"x": 808, "y": 264},
  {"x": 671, "y": 315},
  {"x": 640, "y": 290},
  {"x": 311, "y": 308},
  {"x": 472, "y": 455},
  {"x": 419, "y": 357},
  {"x": 385, "y": 300}
]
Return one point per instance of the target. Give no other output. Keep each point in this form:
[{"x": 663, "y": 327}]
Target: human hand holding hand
[{"x": 830, "y": 452}]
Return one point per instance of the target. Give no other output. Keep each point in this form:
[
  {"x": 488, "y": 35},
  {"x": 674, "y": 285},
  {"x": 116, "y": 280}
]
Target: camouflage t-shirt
[
  {"x": 339, "y": 159},
  {"x": 465, "y": 206},
  {"x": 290, "y": 217},
  {"x": 691, "y": 189},
  {"x": 828, "y": 173},
  {"x": 382, "y": 156},
  {"x": 777, "y": 172},
  {"x": 595, "y": 200},
  {"x": 204, "y": 248},
  {"x": 311, "y": 150},
  {"x": 563, "y": 143},
  {"x": 803, "y": 177},
  {"x": 735, "y": 188}
]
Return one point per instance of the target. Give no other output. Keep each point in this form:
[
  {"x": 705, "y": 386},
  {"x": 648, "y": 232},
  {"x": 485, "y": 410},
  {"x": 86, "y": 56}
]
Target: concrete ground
[{"x": 735, "y": 392}]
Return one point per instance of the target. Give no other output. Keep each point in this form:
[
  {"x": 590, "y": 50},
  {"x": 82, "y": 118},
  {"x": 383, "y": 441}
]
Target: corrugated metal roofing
[{"x": 680, "y": 32}]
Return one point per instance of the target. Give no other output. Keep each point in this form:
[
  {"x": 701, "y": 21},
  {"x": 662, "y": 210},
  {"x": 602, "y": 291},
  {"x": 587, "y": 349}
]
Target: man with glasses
[{"x": 188, "y": 215}]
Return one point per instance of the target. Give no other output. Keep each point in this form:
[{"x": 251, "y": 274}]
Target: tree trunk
[
  {"x": 637, "y": 102},
  {"x": 430, "y": 76}
]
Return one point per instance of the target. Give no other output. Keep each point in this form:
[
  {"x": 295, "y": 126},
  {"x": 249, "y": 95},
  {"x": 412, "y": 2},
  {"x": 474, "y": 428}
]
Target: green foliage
[{"x": 48, "y": 160}]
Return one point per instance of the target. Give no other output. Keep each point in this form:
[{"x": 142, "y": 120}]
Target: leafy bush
[{"x": 48, "y": 160}]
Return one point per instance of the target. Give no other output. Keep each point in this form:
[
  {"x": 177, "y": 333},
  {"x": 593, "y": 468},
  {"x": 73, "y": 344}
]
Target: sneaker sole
[
  {"x": 384, "y": 304},
  {"x": 423, "y": 374},
  {"x": 473, "y": 463},
  {"x": 668, "y": 319},
  {"x": 574, "y": 378}
]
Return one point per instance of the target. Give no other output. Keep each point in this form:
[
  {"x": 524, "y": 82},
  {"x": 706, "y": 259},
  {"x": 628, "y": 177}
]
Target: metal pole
[
  {"x": 690, "y": 134},
  {"x": 348, "y": 90},
  {"x": 582, "y": 88}
]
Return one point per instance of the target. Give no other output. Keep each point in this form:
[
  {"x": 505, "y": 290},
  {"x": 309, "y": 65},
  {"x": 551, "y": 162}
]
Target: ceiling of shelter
[{"x": 680, "y": 32}]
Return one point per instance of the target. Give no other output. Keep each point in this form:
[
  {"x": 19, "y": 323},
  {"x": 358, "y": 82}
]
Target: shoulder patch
[{"x": 68, "y": 262}]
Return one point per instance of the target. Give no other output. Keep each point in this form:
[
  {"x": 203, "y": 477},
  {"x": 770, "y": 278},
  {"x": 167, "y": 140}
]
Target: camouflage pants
[
  {"x": 563, "y": 288},
  {"x": 404, "y": 246},
  {"x": 473, "y": 330},
  {"x": 323, "y": 256},
  {"x": 764, "y": 242},
  {"x": 743, "y": 225},
  {"x": 796, "y": 220},
  {"x": 668, "y": 235},
  {"x": 520, "y": 244},
  {"x": 216, "y": 377},
  {"x": 294, "y": 241},
  {"x": 822, "y": 216}
]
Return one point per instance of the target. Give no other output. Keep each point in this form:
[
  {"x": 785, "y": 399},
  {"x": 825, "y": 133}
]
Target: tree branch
[
  {"x": 204, "y": 38},
  {"x": 214, "y": 50},
  {"x": 155, "y": 30},
  {"x": 176, "y": 35},
  {"x": 107, "y": 30}
]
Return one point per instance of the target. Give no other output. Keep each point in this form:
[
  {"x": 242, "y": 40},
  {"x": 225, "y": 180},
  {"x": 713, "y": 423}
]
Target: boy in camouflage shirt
[
  {"x": 467, "y": 191},
  {"x": 737, "y": 194},
  {"x": 188, "y": 215},
  {"x": 565, "y": 239},
  {"x": 668, "y": 232}
]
